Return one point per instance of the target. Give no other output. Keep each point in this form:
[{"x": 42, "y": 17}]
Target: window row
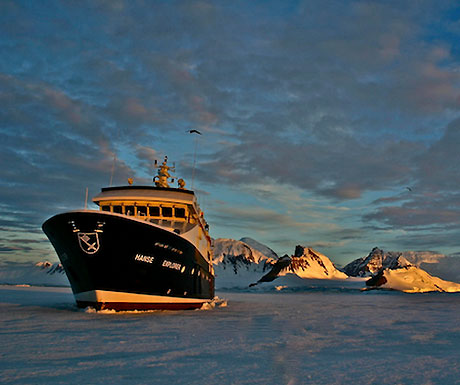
[{"x": 147, "y": 211}]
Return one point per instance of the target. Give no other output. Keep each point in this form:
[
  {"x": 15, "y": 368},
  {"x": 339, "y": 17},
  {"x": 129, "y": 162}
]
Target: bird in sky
[{"x": 194, "y": 132}]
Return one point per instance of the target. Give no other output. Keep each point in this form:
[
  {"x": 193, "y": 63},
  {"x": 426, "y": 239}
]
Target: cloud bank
[{"x": 355, "y": 105}]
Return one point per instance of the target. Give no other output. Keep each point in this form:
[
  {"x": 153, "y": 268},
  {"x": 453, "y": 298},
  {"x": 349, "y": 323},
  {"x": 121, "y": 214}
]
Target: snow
[
  {"x": 303, "y": 337},
  {"x": 447, "y": 268},
  {"x": 226, "y": 278},
  {"x": 309, "y": 263},
  {"x": 223, "y": 248},
  {"x": 42, "y": 273},
  {"x": 402, "y": 270},
  {"x": 265, "y": 250},
  {"x": 418, "y": 257},
  {"x": 374, "y": 262},
  {"x": 431, "y": 261},
  {"x": 412, "y": 279},
  {"x": 239, "y": 264},
  {"x": 312, "y": 324},
  {"x": 294, "y": 283}
]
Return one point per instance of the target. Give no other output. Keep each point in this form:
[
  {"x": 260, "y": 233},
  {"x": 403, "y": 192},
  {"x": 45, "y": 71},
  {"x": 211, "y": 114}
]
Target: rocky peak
[
  {"x": 376, "y": 260},
  {"x": 305, "y": 263},
  {"x": 308, "y": 263}
]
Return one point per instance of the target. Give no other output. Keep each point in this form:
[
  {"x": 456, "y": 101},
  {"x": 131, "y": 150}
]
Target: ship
[{"x": 144, "y": 248}]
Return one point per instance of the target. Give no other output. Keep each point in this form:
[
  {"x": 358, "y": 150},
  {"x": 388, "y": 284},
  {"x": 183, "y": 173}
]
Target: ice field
[{"x": 306, "y": 337}]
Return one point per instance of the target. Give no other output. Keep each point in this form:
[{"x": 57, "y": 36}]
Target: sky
[{"x": 330, "y": 124}]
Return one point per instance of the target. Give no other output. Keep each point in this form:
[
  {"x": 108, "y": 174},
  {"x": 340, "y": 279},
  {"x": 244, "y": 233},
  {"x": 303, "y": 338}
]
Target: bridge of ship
[{"x": 172, "y": 208}]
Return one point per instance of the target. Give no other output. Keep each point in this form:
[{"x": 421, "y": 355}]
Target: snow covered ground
[
  {"x": 309, "y": 336},
  {"x": 411, "y": 279}
]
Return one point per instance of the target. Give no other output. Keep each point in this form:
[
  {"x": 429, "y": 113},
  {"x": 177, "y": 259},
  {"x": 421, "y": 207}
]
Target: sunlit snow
[
  {"x": 328, "y": 336},
  {"x": 411, "y": 279}
]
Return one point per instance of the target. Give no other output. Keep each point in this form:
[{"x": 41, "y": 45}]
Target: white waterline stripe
[{"x": 116, "y": 296}]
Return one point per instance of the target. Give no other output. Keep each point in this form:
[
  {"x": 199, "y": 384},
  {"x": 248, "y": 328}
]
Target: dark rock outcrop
[{"x": 375, "y": 262}]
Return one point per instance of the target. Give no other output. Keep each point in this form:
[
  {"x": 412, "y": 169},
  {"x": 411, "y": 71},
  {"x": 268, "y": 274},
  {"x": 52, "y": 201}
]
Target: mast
[{"x": 161, "y": 179}]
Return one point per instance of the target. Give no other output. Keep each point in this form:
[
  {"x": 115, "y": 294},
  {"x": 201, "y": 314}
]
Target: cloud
[
  {"x": 53, "y": 153},
  {"x": 447, "y": 268},
  {"x": 434, "y": 199},
  {"x": 9, "y": 249},
  {"x": 346, "y": 102},
  {"x": 259, "y": 218},
  {"x": 342, "y": 170},
  {"x": 307, "y": 120},
  {"x": 413, "y": 215},
  {"x": 437, "y": 171}
]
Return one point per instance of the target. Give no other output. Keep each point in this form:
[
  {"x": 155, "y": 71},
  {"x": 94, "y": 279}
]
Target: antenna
[
  {"x": 193, "y": 131},
  {"x": 114, "y": 157},
  {"x": 113, "y": 168},
  {"x": 86, "y": 199},
  {"x": 194, "y": 160}
]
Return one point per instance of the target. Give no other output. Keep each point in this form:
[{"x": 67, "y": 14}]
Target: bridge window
[
  {"x": 160, "y": 212},
  {"x": 179, "y": 212},
  {"x": 166, "y": 211},
  {"x": 154, "y": 211},
  {"x": 142, "y": 211}
]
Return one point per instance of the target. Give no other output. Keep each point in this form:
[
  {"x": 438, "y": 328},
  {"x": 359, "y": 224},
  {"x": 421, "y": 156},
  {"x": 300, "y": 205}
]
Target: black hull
[{"x": 115, "y": 262}]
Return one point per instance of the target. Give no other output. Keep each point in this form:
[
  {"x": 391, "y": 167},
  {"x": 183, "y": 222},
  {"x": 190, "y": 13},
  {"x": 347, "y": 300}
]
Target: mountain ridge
[{"x": 248, "y": 263}]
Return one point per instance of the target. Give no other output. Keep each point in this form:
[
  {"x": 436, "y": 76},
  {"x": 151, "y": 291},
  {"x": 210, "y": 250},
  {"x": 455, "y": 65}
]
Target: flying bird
[{"x": 194, "y": 132}]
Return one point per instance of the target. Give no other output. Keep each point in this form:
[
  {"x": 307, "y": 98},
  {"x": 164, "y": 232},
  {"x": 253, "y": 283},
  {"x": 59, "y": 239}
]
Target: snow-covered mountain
[
  {"x": 400, "y": 271},
  {"x": 379, "y": 259},
  {"x": 237, "y": 264},
  {"x": 309, "y": 263},
  {"x": 419, "y": 258},
  {"x": 306, "y": 263},
  {"x": 244, "y": 262},
  {"x": 41, "y": 273},
  {"x": 410, "y": 279},
  {"x": 234, "y": 253},
  {"x": 374, "y": 262},
  {"x": 265, "y": 250},
  {"x": 447, "y": 267}
]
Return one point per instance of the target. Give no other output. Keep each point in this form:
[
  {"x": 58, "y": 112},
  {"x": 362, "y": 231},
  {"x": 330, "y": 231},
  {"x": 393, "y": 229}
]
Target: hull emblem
[{"x": 89, "y": 242}]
